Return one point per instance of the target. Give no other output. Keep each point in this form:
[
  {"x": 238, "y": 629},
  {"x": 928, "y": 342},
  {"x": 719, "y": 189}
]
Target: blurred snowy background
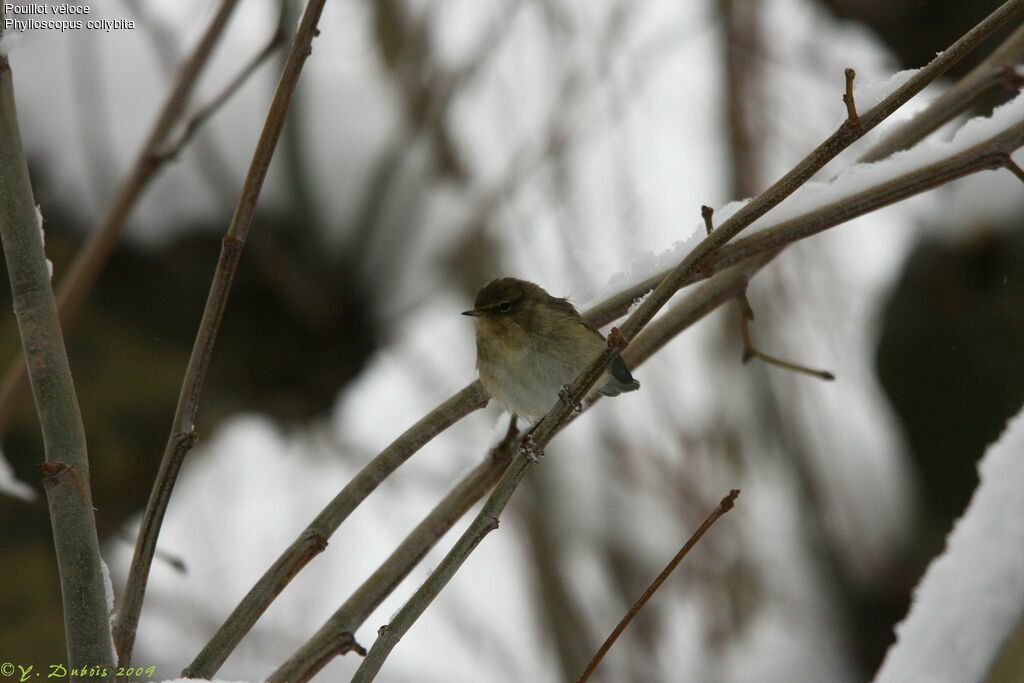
[{"x": 431, "y": 147}]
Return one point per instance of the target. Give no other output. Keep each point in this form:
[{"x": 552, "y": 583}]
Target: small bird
[{"x": 530, "y": 344}]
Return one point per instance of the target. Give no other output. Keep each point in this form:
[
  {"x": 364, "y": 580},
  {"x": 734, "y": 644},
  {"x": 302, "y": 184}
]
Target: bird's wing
[{"x": 620, "y": 379}]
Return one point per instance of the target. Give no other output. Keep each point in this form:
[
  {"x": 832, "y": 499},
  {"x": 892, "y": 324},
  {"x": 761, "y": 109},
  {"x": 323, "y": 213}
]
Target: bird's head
[{"x": 507, "y": 298}]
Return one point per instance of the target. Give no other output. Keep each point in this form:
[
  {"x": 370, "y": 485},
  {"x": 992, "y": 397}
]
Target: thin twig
[
  {"x": 851, "y": 105},
  {"x": 200, "y": 116},
  {"x": 1012, "y": 166},
  {"x": 66, "y": 470},
  {"x": 707, "y": 213},
  {"x": 93, "y": 256},
  {"x": 487, "y": 520},
  {"x": 723, "y": 507},
  {"x": 747, "y": 315},
  {"x": 750, "y": 351},
  {"x": 183, "y": 435}
]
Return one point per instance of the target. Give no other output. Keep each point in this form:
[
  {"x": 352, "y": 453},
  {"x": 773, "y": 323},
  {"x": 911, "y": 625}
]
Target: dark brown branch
[
  {"x": 723, "y": 507},
  {"x": 747, "y": 315},
  {"x": 707, "y": 213},
  {"x": 852, "y": 119},
  {"x": 750, "y": 351},
  {"x": 183, "y": 429},
  {"x": 1012, "y": 166},
  {"x": 990, "y": 154}
]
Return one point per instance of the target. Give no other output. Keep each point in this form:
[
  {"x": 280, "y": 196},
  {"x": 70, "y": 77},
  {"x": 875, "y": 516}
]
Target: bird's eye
[{"x": 505, "y": 307}]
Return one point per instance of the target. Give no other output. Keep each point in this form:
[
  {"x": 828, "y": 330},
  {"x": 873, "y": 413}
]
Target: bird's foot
[
  {"x": 531, "y": 450},
  {"x": 567, "y": 398}
]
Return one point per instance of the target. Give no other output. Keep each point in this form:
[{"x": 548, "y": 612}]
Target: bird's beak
[{"x": 475, "y": 312}]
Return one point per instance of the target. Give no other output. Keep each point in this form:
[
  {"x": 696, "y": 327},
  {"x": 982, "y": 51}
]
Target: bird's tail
[{"x": 620, "y": 380}]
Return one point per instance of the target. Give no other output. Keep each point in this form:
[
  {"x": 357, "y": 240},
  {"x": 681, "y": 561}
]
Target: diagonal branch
[
  {"x": 723, "y": 507},
  {"x": 336, "y": 636},
  {"x": 183, "y": 434},
  {"x": 990, "y": 154},
  {"x": 997, "y": 71},
  {"x": 487, "y": 520},
  {"x": 66, "y": 470},
  {"x": 314, "y": 538}
]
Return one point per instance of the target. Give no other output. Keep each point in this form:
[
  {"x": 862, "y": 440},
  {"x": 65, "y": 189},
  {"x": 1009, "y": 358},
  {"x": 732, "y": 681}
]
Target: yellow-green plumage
[{"x": 531, "y": 344}]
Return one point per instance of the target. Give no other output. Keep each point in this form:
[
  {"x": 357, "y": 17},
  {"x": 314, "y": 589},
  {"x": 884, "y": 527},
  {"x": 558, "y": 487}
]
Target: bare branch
[
  {"x": 851, "y": 106},
  {"x": 747, "y": 315},
  {"x": 750, "y": 351},
  {"x": 995, "y": 72},
  {"x": 990, "y": 154},
  {"x": 183, "y": 429},
  {"x": 300, "y": 552},
  {"x": 66, "y": 470},
  {"x": 332, "y": 639},
  {"x": 707, "y": 213},
  {"x": 723, "y": 507},
  {"x": 1012, "y": 166}
]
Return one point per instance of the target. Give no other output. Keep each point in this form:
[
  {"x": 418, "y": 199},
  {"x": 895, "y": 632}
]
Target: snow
[
  {"x": 972, "y": 595},
  {"x": 11, "y": 485},
  {"x": 108, "y": 589},
  {"x": 869, "y": 93},
  {"x": 8, "y": 41},
  {"x": 42, "y": 238}
]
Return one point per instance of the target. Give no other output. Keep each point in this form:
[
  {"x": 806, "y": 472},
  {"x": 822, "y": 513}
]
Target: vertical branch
[
  {"x": 66, "y": 470},
  {"x": 852, "y": 119},
  {"x": 183, "y": 434}
]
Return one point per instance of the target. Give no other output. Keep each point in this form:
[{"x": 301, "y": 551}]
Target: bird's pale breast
[{"x": 524, "y": 372}]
